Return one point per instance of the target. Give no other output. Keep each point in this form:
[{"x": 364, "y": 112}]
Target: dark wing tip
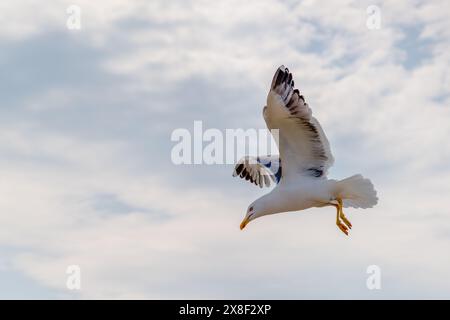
[{"x": 279, "y": 76}]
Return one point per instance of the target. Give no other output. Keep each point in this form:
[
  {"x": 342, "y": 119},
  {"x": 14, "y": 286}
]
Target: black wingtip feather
[
  {"x": 285, "y": 76},
  {"x": 279, "y": 78}
]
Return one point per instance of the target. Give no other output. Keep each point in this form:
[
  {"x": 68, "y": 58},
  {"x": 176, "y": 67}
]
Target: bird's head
[{"x": 253, "y": 212}]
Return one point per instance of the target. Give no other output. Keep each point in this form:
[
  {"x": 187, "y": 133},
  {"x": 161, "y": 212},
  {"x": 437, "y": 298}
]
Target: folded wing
[{"x": 259, "y": 170}]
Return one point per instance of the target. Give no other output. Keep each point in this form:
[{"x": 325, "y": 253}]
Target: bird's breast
[{"x": 304, "y": 195}]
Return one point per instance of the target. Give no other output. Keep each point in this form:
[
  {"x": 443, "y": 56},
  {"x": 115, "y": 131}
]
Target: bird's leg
[
  {"x": 340, "y": 225},
  {"x": 342, "y": 215}
]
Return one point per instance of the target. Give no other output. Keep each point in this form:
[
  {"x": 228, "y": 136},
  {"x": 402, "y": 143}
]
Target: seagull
[{"x": 300, "y": 169}]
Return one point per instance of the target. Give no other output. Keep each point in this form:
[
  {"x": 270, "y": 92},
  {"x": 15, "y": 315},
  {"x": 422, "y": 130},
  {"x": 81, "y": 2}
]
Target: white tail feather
[{"x": 357, "y": 192}]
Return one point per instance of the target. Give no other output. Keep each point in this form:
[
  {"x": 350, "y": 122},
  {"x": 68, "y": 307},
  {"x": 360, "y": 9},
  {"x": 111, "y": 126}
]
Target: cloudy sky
[{"x": 87, "y": 179}]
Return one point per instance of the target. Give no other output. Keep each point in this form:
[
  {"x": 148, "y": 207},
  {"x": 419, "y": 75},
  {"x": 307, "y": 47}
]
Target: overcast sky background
[{"x": 86, "y": 177}]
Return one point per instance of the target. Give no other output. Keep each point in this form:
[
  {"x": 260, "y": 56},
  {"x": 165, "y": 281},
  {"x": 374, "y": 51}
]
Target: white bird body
[
  {"x": 306, "y": 193},
  {"x": 305, "y": 156}
]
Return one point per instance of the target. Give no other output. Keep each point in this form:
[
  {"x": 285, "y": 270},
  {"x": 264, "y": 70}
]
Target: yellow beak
[{"x": 244, "y": 223}]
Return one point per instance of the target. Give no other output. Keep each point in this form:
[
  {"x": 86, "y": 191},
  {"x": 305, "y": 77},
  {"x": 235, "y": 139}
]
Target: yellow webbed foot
[
  {"x": 346, "y": 225},
  {"x": 343, "y": 228},
  {"x": 345, "y": 220}
]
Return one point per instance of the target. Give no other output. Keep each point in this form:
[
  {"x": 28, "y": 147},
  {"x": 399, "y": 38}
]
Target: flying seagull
[{"x": 300, "y": 171}]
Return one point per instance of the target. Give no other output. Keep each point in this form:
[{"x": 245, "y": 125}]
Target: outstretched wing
[
  {"x": 259, "y": 170},
  {"x": 302, "y": 143}
]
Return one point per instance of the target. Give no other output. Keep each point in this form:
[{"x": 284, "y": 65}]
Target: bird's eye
[{"x": 250, "y": 209}]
